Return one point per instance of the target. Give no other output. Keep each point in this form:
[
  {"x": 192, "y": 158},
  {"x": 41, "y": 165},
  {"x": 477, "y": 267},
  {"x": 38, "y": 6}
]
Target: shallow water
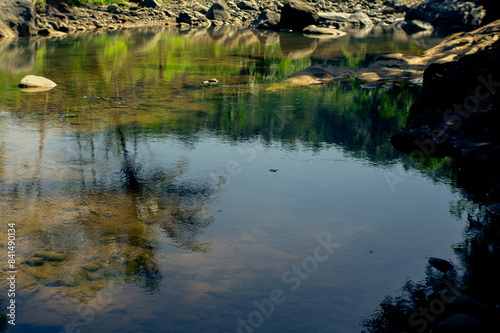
[{"x": 147, "y": 201}]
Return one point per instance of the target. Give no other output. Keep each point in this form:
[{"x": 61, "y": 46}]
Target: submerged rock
[
  {"x": 321, "y": 74},
  {"x": 51, "y": 256},
  {"x": 440, "y": 264}
]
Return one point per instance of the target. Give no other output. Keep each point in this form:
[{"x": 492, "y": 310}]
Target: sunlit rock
[
  {"x": 219, "y": 11},
  {"x": 248, "y": 5},
  {"x": 33, "y": 81},
  {"x": 267, "y": 20},
  {"x": 17, "y": 18}
]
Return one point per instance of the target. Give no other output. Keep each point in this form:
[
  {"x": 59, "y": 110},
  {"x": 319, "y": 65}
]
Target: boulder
[
  {"x": 440, "y": 264},
  {"x": 219, "y": 11},
  {"x": 33, "y": 81},
  {"x": 193, "y": 19},
  {"x": 114, "y": 8},
  {"x": 150, "y": 4},
  {"x": 267, "y": 20},
  {"x": 247, "y": 5},
  {"x": 359, "y": 20},
  {"x": 448, "y": 15},
  {"x": 296, "y": 15},
  {"x": 17, "y": 18},
  {"x": 457, "y": 111},
  {"x": 337, "y": 20}
]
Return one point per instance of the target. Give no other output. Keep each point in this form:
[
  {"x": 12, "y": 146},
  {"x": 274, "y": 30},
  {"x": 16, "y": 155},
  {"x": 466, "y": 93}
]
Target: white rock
[{"x": 33, "y": 81}]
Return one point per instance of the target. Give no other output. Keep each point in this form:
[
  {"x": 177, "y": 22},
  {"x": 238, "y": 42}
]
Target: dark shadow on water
[{"x": 470, "y": 287}]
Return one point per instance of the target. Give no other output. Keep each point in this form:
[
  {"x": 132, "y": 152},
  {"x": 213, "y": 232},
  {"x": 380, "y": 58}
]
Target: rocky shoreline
[{"x": 23, "y": 18}]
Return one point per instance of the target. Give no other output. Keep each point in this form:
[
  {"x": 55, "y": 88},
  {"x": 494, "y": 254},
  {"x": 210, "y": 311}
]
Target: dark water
[{"x": 147, "y": 201}]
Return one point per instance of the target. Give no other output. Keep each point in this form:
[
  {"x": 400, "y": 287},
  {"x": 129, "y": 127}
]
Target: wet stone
[{"x": 34, "y": 262}]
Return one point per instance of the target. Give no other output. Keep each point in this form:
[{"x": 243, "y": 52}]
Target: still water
[{"x": 147, "y": 201}]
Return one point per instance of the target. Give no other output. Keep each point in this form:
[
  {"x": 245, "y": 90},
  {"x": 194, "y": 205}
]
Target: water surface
[{"x": 147, "y": 201}]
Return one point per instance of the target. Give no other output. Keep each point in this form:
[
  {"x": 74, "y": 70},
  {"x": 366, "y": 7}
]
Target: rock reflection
[{"x": 465, "y": 296}]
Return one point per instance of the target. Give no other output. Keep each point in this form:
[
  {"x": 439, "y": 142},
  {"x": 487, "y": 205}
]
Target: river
[{"x": 145, "y": 200}]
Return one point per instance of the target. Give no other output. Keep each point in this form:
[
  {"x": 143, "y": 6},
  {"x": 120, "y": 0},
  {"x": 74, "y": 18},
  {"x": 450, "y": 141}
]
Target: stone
[
  {"x": 317, "y": 74},
  {"x": 315, "y": 31},
  {"x": 337, "y": 20},
  {"x": 456, "y": 112},
  {"x": 440, "y": 264},
  {"x": 34, "y": 262},
  {"x": 267, "y": 20},
  {"x": 17, "y": 18},
  {"x": 32, "y": 81},
  {"x": 114, "y": 8},
  {"x": 448, "y": 15},
  {"x": 296, "y": 15},
  {"x": 360, "y": 20},
  {"x": 150, "y": 4},
  {"x": 193, "y": 18},
  {"x": 219, "y": 11},
  {"x": 247, "y": 5}
]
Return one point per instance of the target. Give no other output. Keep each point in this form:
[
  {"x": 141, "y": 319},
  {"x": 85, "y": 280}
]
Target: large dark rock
[
  {"x": 219, "y": 11},
  {"x": 296, "y": 15},
  {"x": 17, "y": 18},
  {"x": 457, "y": 112},
  {"x": 449, "y": 15},
  {"x": 150, "y": 4}
]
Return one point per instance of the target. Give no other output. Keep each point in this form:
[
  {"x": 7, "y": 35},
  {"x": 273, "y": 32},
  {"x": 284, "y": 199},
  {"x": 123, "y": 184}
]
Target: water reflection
[
  {"x": 468, "y": 288},
  {"x": 92, "y": 175}
]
